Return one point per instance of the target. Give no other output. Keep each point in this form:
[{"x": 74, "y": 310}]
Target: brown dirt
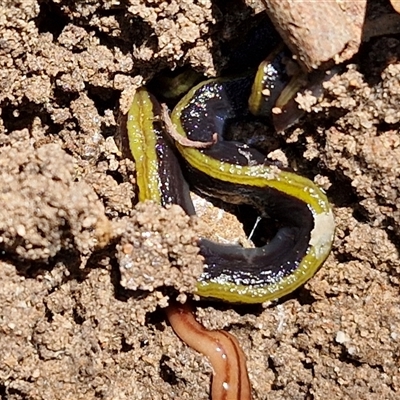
[{"x": 85, "y": 273}]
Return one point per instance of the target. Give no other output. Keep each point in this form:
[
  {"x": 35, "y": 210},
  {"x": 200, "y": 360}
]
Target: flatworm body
[{"x": 237, "y": 174}]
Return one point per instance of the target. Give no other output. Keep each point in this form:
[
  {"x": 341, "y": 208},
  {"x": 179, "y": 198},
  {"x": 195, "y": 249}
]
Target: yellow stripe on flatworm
[
  {"x": 316, "y": 255},
  {"x": 142, "y": 144},
  {"x": 261, "y": 176},
  {"x": 257, "y": 97},
  {"x": 251, "y": 175},
  {"x": 297, "y": 82}
]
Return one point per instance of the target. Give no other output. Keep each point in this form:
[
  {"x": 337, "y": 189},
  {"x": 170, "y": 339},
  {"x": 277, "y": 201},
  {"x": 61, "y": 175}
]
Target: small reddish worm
[{"x": 230, "y": 380}]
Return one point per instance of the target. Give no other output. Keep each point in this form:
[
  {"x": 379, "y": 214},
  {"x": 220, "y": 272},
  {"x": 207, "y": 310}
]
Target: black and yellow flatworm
[{"x": 237, "y": 174}]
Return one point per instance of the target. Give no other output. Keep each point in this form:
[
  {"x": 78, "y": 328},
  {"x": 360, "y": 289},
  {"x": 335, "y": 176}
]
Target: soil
[{"x": 86, "y": 270}]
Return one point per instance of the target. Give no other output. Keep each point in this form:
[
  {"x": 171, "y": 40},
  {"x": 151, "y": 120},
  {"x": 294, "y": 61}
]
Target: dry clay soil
[{"x": 85, "y": 271}]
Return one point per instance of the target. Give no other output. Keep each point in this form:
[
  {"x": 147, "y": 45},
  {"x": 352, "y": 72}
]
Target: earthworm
[{"x": 230, "y": 378}]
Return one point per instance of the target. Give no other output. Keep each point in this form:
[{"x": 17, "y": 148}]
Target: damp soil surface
[{"x": 86, "y": 271}]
